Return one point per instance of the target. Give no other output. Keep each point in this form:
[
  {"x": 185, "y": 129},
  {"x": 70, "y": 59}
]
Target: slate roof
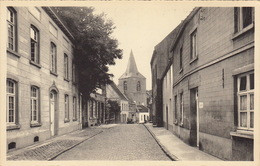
[
  {"x": 120, "y": 94},
  {"x": 142, "y": 108},
  {"x": 131, "y": 70}
]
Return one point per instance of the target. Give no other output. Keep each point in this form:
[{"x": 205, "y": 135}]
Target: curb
[
  {"x": 164, "y": 149},
  {"x": 56, "y": 155}
]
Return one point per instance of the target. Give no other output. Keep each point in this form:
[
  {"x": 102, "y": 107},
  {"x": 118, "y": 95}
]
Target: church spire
[
  {"x": 131, "y": 70},
  {"x": 131, "y": 66}
]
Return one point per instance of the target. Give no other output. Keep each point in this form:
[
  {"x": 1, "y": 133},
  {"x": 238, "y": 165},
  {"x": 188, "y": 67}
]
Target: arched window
[
  {"x": 138, "y": 86},
  {"x": 125, "y": 85}
]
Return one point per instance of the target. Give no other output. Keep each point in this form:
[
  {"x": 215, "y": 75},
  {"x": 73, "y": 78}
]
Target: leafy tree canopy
[
  {"x": 95, "y": 48},
  {"x": 113, "y": 106}
]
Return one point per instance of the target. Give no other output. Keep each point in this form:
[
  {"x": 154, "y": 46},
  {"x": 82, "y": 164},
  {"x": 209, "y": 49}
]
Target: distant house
[
  {"x": 142, "y": 114},
  {"x": 94, "y": 109},
  {"x": 203, "y": 81},
  {"x": 113, "y": 93}
]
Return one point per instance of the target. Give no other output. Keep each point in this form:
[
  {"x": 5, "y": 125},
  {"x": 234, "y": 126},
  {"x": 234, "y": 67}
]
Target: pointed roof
[{"x": 131, "y": 70}]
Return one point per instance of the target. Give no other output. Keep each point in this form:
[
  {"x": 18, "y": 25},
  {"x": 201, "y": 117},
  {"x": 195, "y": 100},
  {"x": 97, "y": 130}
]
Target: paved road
[{"x": 122, "y": 142}]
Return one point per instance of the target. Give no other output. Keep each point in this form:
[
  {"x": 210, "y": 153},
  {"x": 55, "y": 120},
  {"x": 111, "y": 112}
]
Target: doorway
[
  {"x": 53, "y": 110},
  {"x": 194, "y": 118}
]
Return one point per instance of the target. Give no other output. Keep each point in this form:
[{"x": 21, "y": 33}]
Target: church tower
[{"x": 133, "y": 84}]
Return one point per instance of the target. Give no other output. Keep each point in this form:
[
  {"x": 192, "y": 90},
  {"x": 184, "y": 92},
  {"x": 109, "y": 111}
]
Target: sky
[{"x": 140, "y": 26}]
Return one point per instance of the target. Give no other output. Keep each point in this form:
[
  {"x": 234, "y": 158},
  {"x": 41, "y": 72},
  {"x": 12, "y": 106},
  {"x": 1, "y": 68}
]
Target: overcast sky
[{"x": 140, "y": 26}]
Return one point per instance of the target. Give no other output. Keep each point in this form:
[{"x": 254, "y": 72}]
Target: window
[
  {"x": 175, "y": 109},
  {"x": 73, "y": 72},
  {"x": 243, "y": 17},
  {"x": 138, "y": 86},
  {"x": 181, "y": 108},
  {"x": 245, "y": 97},
  {"x": 193, "y": 45},
  {"x": 181, "y": 58},
  {"x": 125, "y": 85},
  {"x": 66, "y": 107},
  {"x": 91, "y": 108},
  {"x": 11, "y": 97},
  {"x": 34, "y": 33},
  {"x": 53, "y": 58},
  {"x": 11, "y": 26},
  {"x": 34, "y": 104},
  {"x": 94, "y": 109},
  {"x": 74, "y": 108},
  {"x": 66, "y": 66}
]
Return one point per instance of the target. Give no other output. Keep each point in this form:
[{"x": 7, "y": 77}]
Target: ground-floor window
[
  {"x": 175, "y": 109},
  {"x": 11, "y": 97},
  {"x": 74, "y": 108},
  {"x": 34, "y": 104},
  {"x": 245, "y": 100},
  {"x": 66, "y": 107},
  {"x": 181, "y": 108}
]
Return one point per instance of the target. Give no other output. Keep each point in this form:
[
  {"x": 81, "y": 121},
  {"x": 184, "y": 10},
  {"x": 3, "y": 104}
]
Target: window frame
[
  {"x": 125, "y": 85},
  {"x": 37, "y": 41},
  {"x": 138, "y": 86},
  {"x": 73, "y": 72},
  {"x": 37, "y": 99},
  {"x": 53, "y": 55},
  {"x": 14, "y": 25},
  {"x": 181, "y": 59},
  {"x": 247, "y": 93},
  {"x": 239, "y": 18},
  {"x": 14, "y": 96},
  {"x": 181, "y": 108},
  {"x": 66, "y": 109},
  {"x": 74, "y": 107},
  {"x": 66, "y": 66},
  {"x": 175, "y": 110},
  {"x": 192, "y": 46}
]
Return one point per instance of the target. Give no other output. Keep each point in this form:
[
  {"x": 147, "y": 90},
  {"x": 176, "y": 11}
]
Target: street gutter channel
[
  {"x": 168, "y": 154},
  {"x": 53, "y": 157}
]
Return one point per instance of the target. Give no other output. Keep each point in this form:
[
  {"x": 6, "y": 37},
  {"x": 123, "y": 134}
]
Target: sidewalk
[
  {"x": 176, "y": 148},
  {"x": 50, "y": 149}
]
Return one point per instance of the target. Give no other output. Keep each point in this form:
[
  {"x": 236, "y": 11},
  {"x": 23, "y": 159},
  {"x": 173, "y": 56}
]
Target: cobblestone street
[{"x": 122, "y": 142}]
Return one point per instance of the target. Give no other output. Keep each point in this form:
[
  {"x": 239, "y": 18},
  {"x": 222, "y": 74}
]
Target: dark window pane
[
  {"x": 252, "y": 81},
  {"x": 251, "y": 120},
  {"x": 243, "y": 102},
  {"x": 251, "y": 101},
  {"x": 242, "y": 83},
  {"x": 236, "y": 15},
  {"x": 247, "y": 16},
  {"x": 243, "y": 119}
]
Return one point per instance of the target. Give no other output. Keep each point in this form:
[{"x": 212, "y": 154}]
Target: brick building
[
  {"x": 206, "y": 81},
  {"x": 42, "y": 93}
]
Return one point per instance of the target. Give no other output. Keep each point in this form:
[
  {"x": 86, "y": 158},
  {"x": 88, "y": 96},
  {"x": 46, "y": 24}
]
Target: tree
[
  {"x": 95, "y": 48},
  {"x": 113, "y": 109}
]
